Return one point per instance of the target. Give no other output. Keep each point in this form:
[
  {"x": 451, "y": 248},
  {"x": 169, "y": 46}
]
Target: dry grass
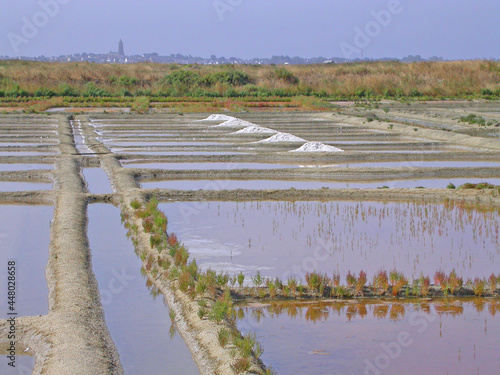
[{"x": 382, "y": 79}]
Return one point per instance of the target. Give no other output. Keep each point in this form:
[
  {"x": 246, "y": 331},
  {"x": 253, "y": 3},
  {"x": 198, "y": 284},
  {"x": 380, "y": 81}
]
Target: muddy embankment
[
  {"x": 43, "y": 198},
  {"x": 73, "y": 337},
  {"x": 201, "y": 336},
  {"x": 316, "y": 174},
  {"x": 317, "y": 158},
  {"x": 43, "y": 176},
  {"x": 486, "y": 199}
]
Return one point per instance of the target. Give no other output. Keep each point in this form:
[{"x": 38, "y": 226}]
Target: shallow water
[
  {"x": 97, "y": 181},
  {"x": 208, "y": 166},
  {"x": 290, "y": 238},
  {"x": 116, "y": 134},
  {"x": 26, "y": 153},
  {"x": 416, "y": 338},
  {"x": 423, "y": 164},
  {"x": 25, "y": 238},
  {"x": 180, "y": 152},
  {"x": 139, "y": 323},
  {"x": 432, "y": 151},
  {"x": 24, "y": 167},
  {"x": 24, "y": 365},
  {"x": 399, "y": 164},
  {"x": 23, "y": 186},
  {"x": 277, "y": 184},
  {"x": 22, "y": 144},
  {"x": 370, "y": 142},
  {"x": 156, "y": 143}
]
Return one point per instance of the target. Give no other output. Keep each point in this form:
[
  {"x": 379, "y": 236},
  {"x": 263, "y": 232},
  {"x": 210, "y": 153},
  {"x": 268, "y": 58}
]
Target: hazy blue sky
[{"x": 454, "y": 29}]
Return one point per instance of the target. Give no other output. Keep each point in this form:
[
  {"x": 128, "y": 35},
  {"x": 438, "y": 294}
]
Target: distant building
[
  {"x": 121, "y": 51},
  {"x": 117, "y": 56}
]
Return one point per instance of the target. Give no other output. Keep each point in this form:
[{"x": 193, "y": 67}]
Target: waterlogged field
[
  {"x": 24, "y": 238},
  {"x": 276, "y": 235},
  {"x": 369, "y": 338},
  {"x": 291, "y": 238},
  {"x": 137, "y": 317}
]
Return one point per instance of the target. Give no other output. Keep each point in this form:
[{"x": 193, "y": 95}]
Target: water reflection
[
  {"x": 365, "y": 337},
  {"x": 136, "y": 318},
  {"x": 395, "y": 311}
]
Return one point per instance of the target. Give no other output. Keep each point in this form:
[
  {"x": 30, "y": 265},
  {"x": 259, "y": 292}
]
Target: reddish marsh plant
[
  {"x": 398, "y": 281},
  {"x": 292, "y": 284},
  {"x": 361, "y": 282},
  {"x": 381, "y": 280},
  {"x": 317, "y": 281},
  {"x": 172, "y": 240},
  {"x": 454, "y": 282},
  {"x": 478, "y": 286},
  {"x": 336, "y": 279},
  {"x": 350, "y": 279},
  {"x": 440, "y": 279},
  {"x": 492, "y": 281},
  {"x": 147, "y": 224},
  {"x": 424, "y": 283}
]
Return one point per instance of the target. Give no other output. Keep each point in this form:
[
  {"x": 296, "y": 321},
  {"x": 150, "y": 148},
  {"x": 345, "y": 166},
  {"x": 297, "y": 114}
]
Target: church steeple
[{"x": 121, "y": 51}]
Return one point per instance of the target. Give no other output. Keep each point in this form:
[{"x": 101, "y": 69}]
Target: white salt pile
[
  {"x": 218, "y": 118},
  {"x": 255, "y": 129},
  {"x": 282, "y": 137},
  {"x": 234, "y": 123},
  {"x": 317, "y": 147}
]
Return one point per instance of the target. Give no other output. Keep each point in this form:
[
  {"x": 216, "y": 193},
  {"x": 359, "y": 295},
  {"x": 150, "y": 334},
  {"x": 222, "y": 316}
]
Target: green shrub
[
  {"x": 125, "y": 93},
  {"x": 350, "y": 279},
  {"x": 43, "y": 92},
  {"x": 223, "y": 309},
  {"x": 229, "y": 77},
  {"x": 316, "y": 281},
  {"x": 223, "y": 336},
  {"x": 258, "y": 279},
  {"x": 478, "y": 287},
  {"x": 202, "y": 312},
  {"x": 186, "y": 281},
  {"x": 182, "y": 78},
  {"x": 127, "y": 81},
  {"x": 487, "y": 92},
  {"x": 245, "y": 344},
  {"x": 93, "y": 91},
  {"x": 141, "y": 104},
  {"x": 135, "y": 204},
  {"x": 473, "y": 119},
  {"x": 241, "y": 279},
  {"x": 15, "y": 93},
  {"x": 484, "y": 185},
  {"x": 241, "y": 365},
  {"x": 222, "y": 279},
  {"x": 181, "y": 256},
  {"x": 155, "y": 240},
  {"x": 160, "y": 221}
]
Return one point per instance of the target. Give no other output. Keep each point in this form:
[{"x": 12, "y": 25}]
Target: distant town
[{"x": 120, "y": 57}]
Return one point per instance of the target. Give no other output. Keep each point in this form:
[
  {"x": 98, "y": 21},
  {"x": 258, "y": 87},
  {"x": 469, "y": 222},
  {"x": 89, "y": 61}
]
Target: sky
[{"x": 453, "y": 29}]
